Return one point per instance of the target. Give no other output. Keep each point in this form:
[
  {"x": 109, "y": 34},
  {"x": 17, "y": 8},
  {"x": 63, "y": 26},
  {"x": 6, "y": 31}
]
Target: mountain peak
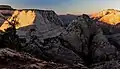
[{"x": 109, "y": 16}]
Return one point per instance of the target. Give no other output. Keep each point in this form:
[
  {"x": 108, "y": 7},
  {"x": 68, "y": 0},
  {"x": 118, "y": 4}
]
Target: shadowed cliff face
[{"x": 109, "y": 16}]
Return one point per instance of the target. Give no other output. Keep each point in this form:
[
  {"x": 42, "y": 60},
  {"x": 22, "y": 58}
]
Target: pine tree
[{"x": 9, "y": 38}]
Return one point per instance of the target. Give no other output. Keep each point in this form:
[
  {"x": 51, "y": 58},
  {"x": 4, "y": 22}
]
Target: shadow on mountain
[
  {"x": 67, "y": 19},
  {"x": 109, "y": 29}
]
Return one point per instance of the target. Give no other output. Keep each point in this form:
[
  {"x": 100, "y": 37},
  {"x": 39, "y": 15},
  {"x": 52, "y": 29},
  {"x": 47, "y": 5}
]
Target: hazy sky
[{"x": 65, "y": 6}]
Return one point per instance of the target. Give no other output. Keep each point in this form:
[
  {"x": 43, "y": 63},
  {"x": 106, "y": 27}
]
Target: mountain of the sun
[{"x": 109, "y": 16}]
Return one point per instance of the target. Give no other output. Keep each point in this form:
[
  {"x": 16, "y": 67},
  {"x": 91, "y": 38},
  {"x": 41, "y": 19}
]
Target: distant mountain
[
  {"x": 67, "y": 19},
  {"x": 109, "y": 16}
]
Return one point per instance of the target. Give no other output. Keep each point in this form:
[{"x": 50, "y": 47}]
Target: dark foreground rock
[
  {"x": 106, "y": 65},
  {"x": 10, "y": 59}
]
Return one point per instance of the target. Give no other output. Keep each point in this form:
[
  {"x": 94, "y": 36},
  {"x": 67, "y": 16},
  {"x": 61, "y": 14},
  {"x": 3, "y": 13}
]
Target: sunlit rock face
[
  {"x": 45, "y": 23},
  {"x": 109, "y": 16},
  {"x": 24, "y": 18}
]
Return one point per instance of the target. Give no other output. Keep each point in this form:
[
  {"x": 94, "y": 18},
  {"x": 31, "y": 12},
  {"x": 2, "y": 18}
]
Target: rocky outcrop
[
  {"x": 14, "y": 60},
  {"x": 114, "y": 39},
  {"x": 53, "y": 49},
  {"x": 109, "y": 29},
  {"x": 78, "y": 34},
  {"x": 10, "y": 59},
  {"x": 101, "y": 49},
  {"x": 87, "y": 39}
]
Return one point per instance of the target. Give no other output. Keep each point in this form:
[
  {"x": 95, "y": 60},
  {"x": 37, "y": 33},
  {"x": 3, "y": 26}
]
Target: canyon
[{"x": 41, "y": 41}]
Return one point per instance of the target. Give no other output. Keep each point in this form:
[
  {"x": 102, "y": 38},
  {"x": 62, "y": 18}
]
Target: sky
[{"x": 65, "y": 6}]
